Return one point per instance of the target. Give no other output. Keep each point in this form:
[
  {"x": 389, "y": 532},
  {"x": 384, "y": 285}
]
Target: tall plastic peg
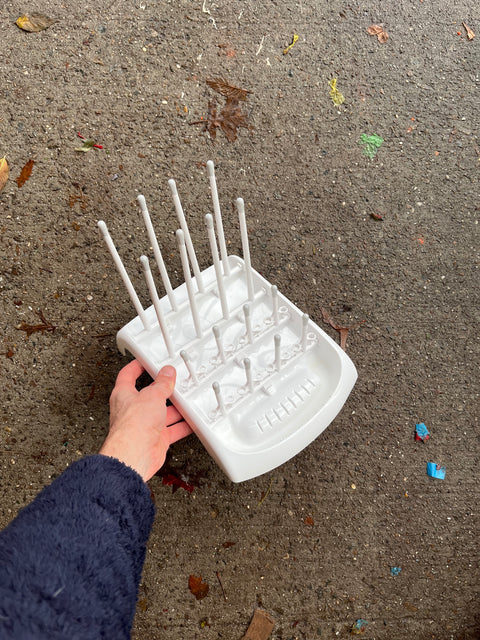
[
  {"x": 188, "y": 282},
  {"x": 188, "y": 239},
  {"x": 156, "y": 303},
  {"x": 156, "y": 252},
  {"x": 218, "y": 217},
  {"x": 245, "y": 247},
  {"x": 124, "y": 275},
  {"x": 216, "y": 263}
]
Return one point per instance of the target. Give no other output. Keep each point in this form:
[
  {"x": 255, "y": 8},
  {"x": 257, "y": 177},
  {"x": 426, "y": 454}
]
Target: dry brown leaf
[
  {"x": 34, "y": 22},
  {"x": 33, "y": 328},
  {"x": 198, "y": 587},
  {"x": 25, "y": 173},
  {"x": 470, "y": 33},
  {"x": 230, "y": 118},
  {"x": 4, "y": 172},
  {"x": 374, "y": 30},
  {"x": 382, "y": 37},
  {"x": 228, "y": 90},
  {"x": 343, "y": 331},
  {"x": 377, "y": 30}
]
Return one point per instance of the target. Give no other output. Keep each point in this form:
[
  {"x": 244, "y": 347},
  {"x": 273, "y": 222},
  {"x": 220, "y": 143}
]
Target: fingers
[
  {"x": 173, "y": 416},
  {"x": 129, "y": 374},
  {"x": 178, "y": 431},
  {"x": 164, "y": 383}
]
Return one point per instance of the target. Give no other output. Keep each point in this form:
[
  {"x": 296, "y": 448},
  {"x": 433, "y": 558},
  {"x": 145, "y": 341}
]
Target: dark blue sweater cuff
[{"x": 71, "y": 562}]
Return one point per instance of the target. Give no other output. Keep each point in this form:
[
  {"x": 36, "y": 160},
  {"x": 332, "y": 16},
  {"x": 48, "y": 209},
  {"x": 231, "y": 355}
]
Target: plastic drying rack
[{"x": 257, "y": 380}]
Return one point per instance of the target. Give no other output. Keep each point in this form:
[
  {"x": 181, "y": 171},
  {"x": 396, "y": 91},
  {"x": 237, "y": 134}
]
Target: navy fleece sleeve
[{"x": 71, "y": 562}]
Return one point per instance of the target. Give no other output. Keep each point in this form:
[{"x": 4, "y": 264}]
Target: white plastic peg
[
  {"x": 188, "y": 363},
  {"x": 218, "y": 340},
  {"x": 218, "y": 217},
  {"x": 245, "y": 247},
  {"x": 188, "y": 239},
  {"x": 156, "y": 303},
  {"x": 123, "y": 273},
  {"x": 218, "y": 395},
  {"x": 216, "y": 264},
  {"x": 156, "y": 252},
  {"x": 188, "y": 282},
  {"x": 248, "y": 373}
]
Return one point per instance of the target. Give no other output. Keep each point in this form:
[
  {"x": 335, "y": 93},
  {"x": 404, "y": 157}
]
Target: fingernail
[{"x": 168, "y": 371}]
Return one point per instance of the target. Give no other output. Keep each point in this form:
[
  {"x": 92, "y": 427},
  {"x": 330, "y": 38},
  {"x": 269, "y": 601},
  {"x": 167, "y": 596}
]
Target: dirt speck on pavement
[{"x": 313, "y": 542}]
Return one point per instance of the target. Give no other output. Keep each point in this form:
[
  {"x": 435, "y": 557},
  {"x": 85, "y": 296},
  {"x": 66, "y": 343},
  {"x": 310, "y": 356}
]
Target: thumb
[{"x": 164, "y": 383}]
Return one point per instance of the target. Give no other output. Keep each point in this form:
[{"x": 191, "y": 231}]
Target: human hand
[{"x": 142, "y": 427}]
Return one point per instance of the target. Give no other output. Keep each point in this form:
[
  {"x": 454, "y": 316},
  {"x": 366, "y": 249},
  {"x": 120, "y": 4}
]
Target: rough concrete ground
[{"x": 314, "y": 540}]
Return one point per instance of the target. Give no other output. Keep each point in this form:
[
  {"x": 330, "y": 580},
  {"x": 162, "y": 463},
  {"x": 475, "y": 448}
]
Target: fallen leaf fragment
[
  {"x": 181, "y": 477},
  {"x": 374, "y": 30},
  {"x": 260, "y": 627},
  {"x": 25, "y": 173},
  {"x": 86, "y": 146},
  {"x": 343, "y": 331},
  {"x": 308, "y": 521},
  {"x": 143, "y": 604},
  {"x": 335, "y": 94},
  {"x": 228, "y": 90},
  {"x": 33, "y": 328},
  {"x": 377, "y": 30},
  {"x": 470, "y": 33},
  {"x": 4, "y": 172},
  {"x": 230, "y": 118},
  {"x": 34, "y": 22},
  {"x": 295, "y": 38},
  {"x": 198, "y": 587}
]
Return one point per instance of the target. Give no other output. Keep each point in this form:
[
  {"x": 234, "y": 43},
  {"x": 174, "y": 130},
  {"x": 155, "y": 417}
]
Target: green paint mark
[{"x": 371, "y": 144}]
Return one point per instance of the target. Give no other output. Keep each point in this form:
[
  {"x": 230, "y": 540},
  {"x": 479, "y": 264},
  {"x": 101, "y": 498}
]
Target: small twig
[
  {"x": 268, "y": 491},
  {"x": 221, "y": 585}
]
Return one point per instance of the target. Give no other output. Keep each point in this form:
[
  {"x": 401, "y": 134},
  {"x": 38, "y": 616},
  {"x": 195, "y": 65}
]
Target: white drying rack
[{"x": 257, "y": 380}]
